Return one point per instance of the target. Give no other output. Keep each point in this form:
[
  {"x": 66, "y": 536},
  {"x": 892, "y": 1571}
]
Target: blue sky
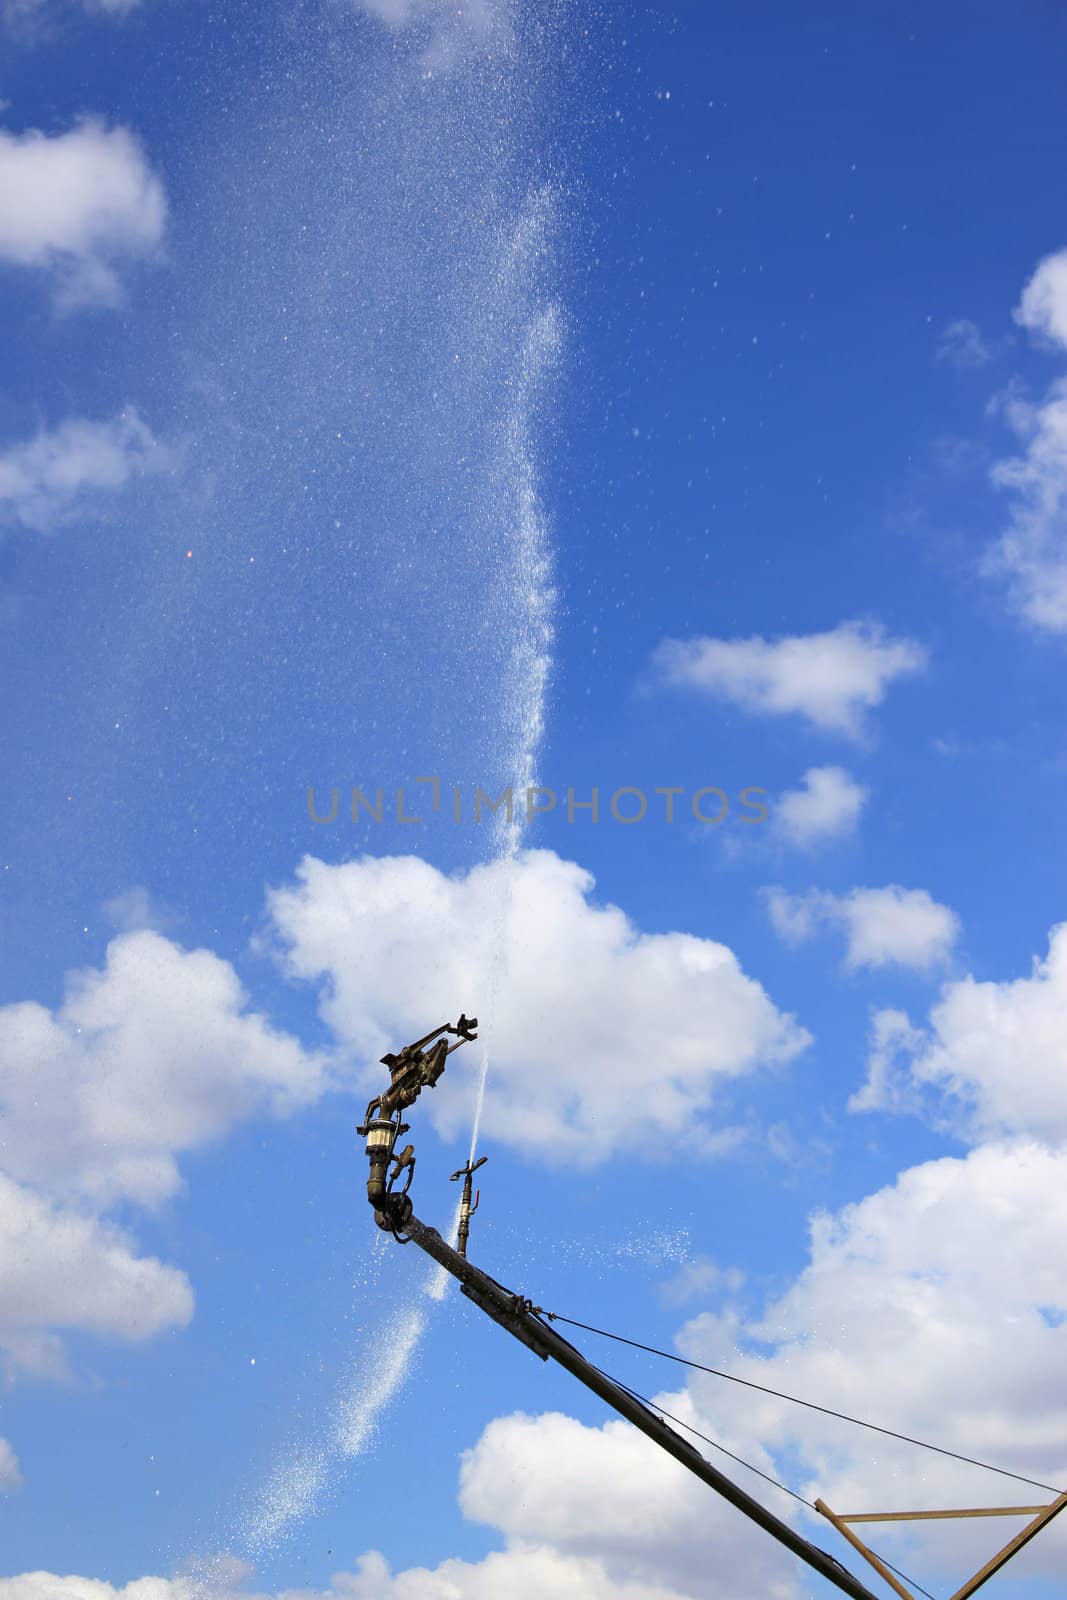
[{"x": 569, "y": 398}]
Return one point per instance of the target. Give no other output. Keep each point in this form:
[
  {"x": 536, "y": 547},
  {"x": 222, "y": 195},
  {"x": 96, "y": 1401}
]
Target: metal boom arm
[
  {"x": 415, "y": 1069},
  {"x": 517, "y": 1315}
]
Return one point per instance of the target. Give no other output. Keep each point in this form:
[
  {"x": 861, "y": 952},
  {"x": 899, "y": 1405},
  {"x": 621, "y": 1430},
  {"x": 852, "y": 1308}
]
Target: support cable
[
  {"x": 842, "y": 1416},
  {"x": 654, "y": 1405}
]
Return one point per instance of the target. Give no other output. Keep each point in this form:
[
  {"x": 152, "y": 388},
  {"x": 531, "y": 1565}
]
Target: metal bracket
[{"x": 1044, "y": 1515}]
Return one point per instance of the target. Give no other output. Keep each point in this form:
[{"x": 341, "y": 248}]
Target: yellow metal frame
[{"x": 1042, "y": 1515}]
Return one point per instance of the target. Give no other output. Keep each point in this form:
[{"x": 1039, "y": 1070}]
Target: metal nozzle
[{"x": 466, "y": 1207}]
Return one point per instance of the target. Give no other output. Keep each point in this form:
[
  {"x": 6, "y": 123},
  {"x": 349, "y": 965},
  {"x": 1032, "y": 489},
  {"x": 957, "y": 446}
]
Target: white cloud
[
  {"x": 62, "y": 1269},
  {"x": 59, "y": 475},
  {"x": 152, "y": 1056},
  {"x": 932, "y": 1307},
  {"x": 888, "y": 1086},
  {"x": 937, "y": 1307},
  {"x": 572, "y": 991},
  {"x": 882, "y": 927},
  {"x": 794, "y": 918},
  {"x": 77, "y": 205},
  {"x": 53, "y": 1586},
  {"x": 10, "y": 1476},
  {"x": 521, "y": 1573},
  {"x": 1032, "y": 552},
  {"x": 962, "y": 345},
  {"x": 826, "y": 806},
  {"x": 831, "y": 678},
  {"x": 1043, "y": 306},
  {"x": 994, "y": 1053},
  {"x": 607, "y": 1493}
]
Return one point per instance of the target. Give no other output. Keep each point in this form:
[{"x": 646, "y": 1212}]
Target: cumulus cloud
[
  {"x": 993, "y": 1054},
  {"x": 154, "y": 1055},
  {"x": 529, "y": 1572},
  {"x": 10, "y": 1476},
  {"x": 577, "y": 993},
  {"x": 832, "y": 679},
  {"x": 1043, "y": 306},
  {"x": 56, "y": 476},
  {"x": 882, "y": 927},
  {"x": 525, "y": 1572},
  {"x": 826, "y": 806},
  {"x": 61, "y": 1269},
  {"x": 1032, "y": 552},
  {"x": 609, "y": 1494},
  {"x": 888, "y": 1085},
  {"x": 53, "y": 1586},
  {"x": 77, "y": 205},
  {"x": 935, "y": 1307}
]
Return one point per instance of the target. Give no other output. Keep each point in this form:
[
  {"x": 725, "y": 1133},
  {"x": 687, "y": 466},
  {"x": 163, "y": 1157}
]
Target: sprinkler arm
[
  {"x": 524, "y": 1322},
  {"x": 416, "y": 1068},
  {"x": 413, "y": 1070}
]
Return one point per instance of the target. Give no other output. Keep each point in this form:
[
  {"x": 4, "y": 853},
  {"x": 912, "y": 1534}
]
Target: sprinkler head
[
  {"x": 418, "y": 1066},
  {"x": 466, "y": 1171}
]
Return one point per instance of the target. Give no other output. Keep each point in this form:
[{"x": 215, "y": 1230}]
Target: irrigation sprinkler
[{"x": 419, "y": 1066}]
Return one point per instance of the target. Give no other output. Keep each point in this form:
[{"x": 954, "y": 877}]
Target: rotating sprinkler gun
[{"x": 418, "y": 1066}]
